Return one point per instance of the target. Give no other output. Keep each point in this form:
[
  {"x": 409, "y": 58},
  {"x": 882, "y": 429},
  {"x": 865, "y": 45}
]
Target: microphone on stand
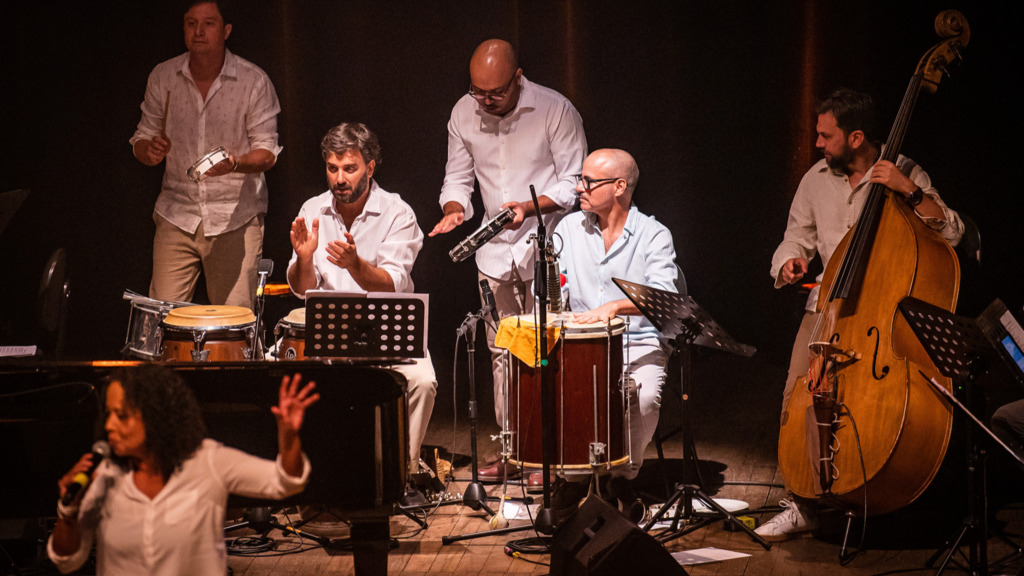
[
  {"x": 554, "y": 282},
  {"x": 263, "y": 270},
  {"x": 482, "y": 236},
  {"x": 100, "y": 450},
  {"x": 489, "y": 305}
]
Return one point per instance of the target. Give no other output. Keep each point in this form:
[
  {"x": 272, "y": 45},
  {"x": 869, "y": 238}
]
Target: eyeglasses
[
  {"x": 588, "y": 183},
  {"x": 495, "y": 95}
]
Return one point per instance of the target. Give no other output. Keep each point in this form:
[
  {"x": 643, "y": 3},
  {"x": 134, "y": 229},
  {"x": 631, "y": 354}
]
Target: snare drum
[
  {"x": 144, "y": 330},
  {"x": 208, "y": 333},
  {"x": 290, "y": 335},
  {"x": 585, "y": 371}
]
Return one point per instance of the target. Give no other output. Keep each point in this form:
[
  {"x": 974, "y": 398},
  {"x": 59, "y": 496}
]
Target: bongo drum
[
  {"x": 290, "y": 335},
  {"x": 586, "y": 374},
  {"x": 208, "y": 333}
]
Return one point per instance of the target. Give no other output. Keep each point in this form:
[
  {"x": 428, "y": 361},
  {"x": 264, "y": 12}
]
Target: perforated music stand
[
  {"x": 678, "y": 318},
  {"x": 374, "y": 326},
  {"x": 961, "y": 351}
]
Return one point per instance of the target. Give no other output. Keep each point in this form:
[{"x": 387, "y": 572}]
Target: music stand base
[{"x": 686, "y": 493}]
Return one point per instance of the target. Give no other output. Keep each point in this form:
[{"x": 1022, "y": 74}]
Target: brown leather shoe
[
  {"x": 535, "y": 482},
  {"x": 493, "y": 472}
]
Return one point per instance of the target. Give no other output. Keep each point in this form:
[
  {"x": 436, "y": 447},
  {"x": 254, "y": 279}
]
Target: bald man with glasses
[{"x": 506, "y": 134}]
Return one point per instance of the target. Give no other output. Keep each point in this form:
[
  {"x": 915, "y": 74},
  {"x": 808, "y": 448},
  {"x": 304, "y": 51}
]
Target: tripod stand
[
  {"x": 262, "y": 521},
  {"x": 678, "y": 317},
  {"x": 961, "y": 351}
]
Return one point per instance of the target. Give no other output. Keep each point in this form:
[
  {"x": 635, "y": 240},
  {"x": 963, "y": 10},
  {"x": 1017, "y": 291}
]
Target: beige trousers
[{"x": 229, "y": 261}]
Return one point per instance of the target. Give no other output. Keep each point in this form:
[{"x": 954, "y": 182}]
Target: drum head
[
  {"x": 209, "y": 317},
  {"x": 571, "y": 329},
  {"x": 296, "y": 317}
]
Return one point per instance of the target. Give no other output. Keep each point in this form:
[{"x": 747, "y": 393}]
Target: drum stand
[
  {"x": 949, "y": 339},
  {"x": 678, "y": 317}
]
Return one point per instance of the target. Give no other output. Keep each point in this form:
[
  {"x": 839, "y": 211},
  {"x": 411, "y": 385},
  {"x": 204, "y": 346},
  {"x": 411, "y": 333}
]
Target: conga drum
[
  {"x": 290, "y": 335},
  {"x": 586, "y": 373},
  {"x": 208, "y": 333}
]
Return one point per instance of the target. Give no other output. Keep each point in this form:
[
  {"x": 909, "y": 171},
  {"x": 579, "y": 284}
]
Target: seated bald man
[{"x": 611, "y": 238}]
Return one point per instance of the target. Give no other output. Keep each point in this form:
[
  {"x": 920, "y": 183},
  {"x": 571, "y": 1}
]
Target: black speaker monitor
[{"x": 599, "y": 541}]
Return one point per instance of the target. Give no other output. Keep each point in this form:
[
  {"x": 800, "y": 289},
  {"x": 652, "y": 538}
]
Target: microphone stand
[
  {"x": 474, "y": 496},
  {"x": 545, "y": 522},
  {"x": 260, "y": 299}
]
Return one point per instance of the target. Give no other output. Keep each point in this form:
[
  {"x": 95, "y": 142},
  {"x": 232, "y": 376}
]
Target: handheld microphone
[
  {"x": 263, "y": 270},
  {"x": 489, "y": 305},
  {"x": 100, "y": 450},
  {"x": 482, "y": 236}
]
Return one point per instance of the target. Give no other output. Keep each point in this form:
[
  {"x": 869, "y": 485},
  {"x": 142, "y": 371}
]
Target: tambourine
[{"x": 197, "y": 172}]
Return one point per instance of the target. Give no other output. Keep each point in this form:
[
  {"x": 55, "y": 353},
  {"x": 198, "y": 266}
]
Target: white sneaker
[{"x": 794, "y": 520}]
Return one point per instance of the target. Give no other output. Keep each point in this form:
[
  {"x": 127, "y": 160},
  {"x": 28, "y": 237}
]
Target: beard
[
  {"x": 343, "y": 195},
  {"x": 840, "y": 161}
]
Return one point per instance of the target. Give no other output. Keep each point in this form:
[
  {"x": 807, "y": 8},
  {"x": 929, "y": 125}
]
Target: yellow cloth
[{"x": 520, "y": 338}]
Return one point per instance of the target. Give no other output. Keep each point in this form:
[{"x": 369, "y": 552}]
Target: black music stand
[
  {"x": 961, "y": 351},
  {"x": 384, "y": 327},
  {"x": 381, "y": 326},
  {"x": 678, "y": 318}
]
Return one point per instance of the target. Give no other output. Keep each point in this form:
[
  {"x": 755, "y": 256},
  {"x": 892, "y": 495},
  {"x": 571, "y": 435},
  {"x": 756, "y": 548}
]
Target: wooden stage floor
[{"x": 735, "y": 427}]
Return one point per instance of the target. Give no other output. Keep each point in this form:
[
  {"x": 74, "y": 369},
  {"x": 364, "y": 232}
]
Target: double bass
[{"x": 863, "y": 430}]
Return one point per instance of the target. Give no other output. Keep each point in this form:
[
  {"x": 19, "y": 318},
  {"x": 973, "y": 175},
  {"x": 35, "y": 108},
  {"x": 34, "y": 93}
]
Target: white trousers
[{"x": 419, "y": 401}]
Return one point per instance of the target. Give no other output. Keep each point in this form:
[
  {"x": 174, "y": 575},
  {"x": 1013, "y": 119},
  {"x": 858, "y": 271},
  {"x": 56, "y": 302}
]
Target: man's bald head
[
  {"x": 618, "y": 163},
  {"x": 494, "y": 72},
  {"x": 495, "y": 58}
]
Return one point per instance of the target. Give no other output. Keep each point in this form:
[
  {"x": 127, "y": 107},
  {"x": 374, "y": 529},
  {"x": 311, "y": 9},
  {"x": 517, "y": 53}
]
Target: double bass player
[{"x": 827, "y": 204}]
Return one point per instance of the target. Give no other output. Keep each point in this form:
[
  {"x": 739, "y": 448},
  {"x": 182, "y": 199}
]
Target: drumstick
[{"x": 167, "y": 108}]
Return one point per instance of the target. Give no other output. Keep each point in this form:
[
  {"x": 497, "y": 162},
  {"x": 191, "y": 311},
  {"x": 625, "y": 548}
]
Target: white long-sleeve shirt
[
  {"x": 825, "y": 208},
  {"x": 239, "y": 113},
  {"x": 385, "y": 233},
  {"x": 181, "y": 530},
  {"x": 540, "y": 142}
]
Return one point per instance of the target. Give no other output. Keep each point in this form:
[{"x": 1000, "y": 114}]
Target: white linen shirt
[
  {"x": 643, "y": 253},
  {"x": 825, "y": 208},
  {"x": 386, "y": 235},
  {"x": 540, "y": 142},
  {"x": 181, "y": 530},
  {"x": 239, "y": 113}
]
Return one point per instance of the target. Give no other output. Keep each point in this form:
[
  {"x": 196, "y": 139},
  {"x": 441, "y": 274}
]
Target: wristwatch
[{"x": 915, "y": 197}]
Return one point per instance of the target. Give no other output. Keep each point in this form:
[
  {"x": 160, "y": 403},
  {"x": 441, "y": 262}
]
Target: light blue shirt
[{"x": 643, "y": 254}]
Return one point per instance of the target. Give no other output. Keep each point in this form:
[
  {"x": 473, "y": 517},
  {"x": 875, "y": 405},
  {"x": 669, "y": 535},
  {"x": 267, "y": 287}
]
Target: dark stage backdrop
[{"x": 712, "y": 98}]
